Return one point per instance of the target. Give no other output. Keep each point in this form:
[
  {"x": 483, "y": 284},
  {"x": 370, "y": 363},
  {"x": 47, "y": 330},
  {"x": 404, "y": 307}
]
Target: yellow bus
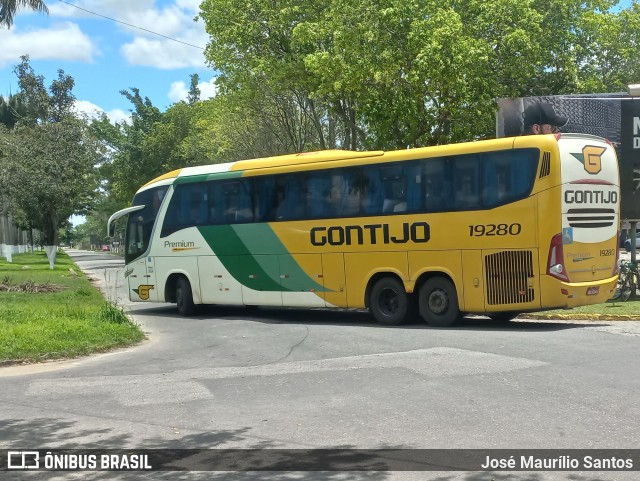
[{"x": 496, "y": 227}]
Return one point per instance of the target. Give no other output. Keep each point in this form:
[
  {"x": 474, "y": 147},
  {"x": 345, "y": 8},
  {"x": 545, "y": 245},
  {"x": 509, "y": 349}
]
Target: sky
[{"x": 104, "y": 56}]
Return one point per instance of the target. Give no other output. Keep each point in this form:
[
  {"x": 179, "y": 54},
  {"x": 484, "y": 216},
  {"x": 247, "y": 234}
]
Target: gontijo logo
[
  {"x": 591, "y": 158},
  {"x": 143, "y": 291},
  {"x": 418, "y": 232}
]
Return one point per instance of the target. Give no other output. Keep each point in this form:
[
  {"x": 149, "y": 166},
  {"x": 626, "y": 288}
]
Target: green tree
[
  {"x": 95, "y": 225},
  {"x": 254, "y": 48},
  {"x": 48, "y": 158},
  {"x": 130, "y": 167},
  {"x": 396, "y": 73},
  {"x": 194, "y": 90},
  {"x": 162, "y": 146},
  {"x": 11, "y": 111},
  {"x": 42, "y": 104},
  {"x": 260, "y": 122},
  {"x": 49, "y": 172},
  {"x": 617, "y": 62},
  {"x": 8, "y": 9}
]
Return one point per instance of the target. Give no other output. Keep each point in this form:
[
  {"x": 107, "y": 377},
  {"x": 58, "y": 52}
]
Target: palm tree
[
  {"x": 12, "y": 109},
  {"x": 8, "y": 9}
]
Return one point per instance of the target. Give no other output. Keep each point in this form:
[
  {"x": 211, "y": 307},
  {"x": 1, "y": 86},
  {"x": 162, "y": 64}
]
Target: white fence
[{"x": 12, "y": 239}]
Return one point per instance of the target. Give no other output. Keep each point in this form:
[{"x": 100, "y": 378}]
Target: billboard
[{"x": 616, "y": 117}]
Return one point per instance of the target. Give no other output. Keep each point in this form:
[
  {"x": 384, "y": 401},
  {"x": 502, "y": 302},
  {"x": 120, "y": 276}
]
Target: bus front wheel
[
  {"x": 389, "y": 304},
  {"x": 439, "y": 302},
  {"x": 184, "y": 297}
]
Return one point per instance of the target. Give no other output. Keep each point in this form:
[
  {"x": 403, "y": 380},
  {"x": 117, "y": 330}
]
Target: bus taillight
[{"x": 555, "y": 262}]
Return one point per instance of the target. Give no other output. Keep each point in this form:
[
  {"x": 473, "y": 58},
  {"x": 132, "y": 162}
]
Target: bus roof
[
  {"x": 168, "y": 175},
  {"x": 302, "y": 158},
  {"x": 287, "y": 160},
  {"x": 284, "y": 163}
]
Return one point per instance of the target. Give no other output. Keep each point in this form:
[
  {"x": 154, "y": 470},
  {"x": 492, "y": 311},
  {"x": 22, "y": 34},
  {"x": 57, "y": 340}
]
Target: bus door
[
  {"x": 142, "y": 280},
  {"x": 512, "y": 280}
]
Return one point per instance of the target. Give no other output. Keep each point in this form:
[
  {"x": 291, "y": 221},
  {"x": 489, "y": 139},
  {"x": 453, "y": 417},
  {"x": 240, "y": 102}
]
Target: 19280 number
[{"x": 494, "y": 229}]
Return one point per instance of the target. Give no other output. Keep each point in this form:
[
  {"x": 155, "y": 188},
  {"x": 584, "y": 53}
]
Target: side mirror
[{"x": 111, "y": 228}]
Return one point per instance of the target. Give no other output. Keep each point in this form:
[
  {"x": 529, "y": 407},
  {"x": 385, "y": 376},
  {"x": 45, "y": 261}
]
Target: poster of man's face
[{"x": 615, "y": 117}]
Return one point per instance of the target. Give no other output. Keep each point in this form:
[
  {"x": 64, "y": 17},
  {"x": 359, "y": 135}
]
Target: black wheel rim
[
  {"x": 388, "y": 302},
  {"x": 438, "y": 302}
]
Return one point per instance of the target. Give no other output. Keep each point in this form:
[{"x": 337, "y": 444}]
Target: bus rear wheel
[
  {"x": 439, "y": 302},
  {"x": 389, "y": 303},
  {"x": 184, "y": 297}
]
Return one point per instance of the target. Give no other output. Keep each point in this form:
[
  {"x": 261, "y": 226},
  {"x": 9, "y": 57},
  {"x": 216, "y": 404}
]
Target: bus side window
[
  {"x": 278, "y": 210},
  {"x": 508, "y": 175},
  {"x": 344, "y": 195},
  {"x": 415, "y": 202},
  {"x": 467, "y": 182},
  {"x": 216, "y": 203},
  {"x": 373, "y": 191},
  {"x": 318, "y": 188},
  {"x": 199, "y": 204},
  {"x": 231, "y": 191},
  {"x": 522, "y": 177},
  {"x": 437, "y": 185},
  {"x": 237, "y": 204},
  {"x": 188, "y": 207},
  {"x": 290, "y": 198},
  {"x": 334, "y": 195},
  {"x": 264, "y": 197},
  {"x": 493, "y": 187},
  {"x": 394, "y": 188}
]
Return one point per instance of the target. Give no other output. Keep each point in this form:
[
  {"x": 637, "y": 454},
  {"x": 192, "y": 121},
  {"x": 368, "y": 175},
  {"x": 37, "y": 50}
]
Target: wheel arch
[
  {"x": 425, "y": 276},
  {"x": 375, "y": 278},
  {"x": 171, "y": 283}
]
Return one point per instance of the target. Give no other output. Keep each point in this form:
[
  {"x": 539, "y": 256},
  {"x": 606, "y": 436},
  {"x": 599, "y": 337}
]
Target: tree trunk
[{"x": 50, "y": 234}]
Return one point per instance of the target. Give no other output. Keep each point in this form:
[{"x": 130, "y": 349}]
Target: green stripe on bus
[
  {"x": 248, "y": 252},
  {"x": 260, "y": 237},
  {"x": 192, "y": 179}
]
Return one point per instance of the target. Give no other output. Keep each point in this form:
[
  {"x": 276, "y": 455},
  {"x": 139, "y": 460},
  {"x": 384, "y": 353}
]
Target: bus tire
[
  {"x": 184, "y": 297},
  {"x": 389, "y": 303},
  {"x": 438, "y": 302},
  {"x": 503, "y": 316}
]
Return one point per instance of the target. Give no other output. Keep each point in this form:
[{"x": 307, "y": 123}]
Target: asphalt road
[{"x": 305, "y": 379}]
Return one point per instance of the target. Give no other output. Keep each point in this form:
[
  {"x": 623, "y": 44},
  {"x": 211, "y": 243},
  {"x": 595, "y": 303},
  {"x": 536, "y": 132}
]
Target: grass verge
[
  {"x": 63, "y": 316},
  {"x": 618, "y": 310}
]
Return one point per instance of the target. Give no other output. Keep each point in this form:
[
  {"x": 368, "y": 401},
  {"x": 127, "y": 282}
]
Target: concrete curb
[{"x": 580, "y": 317}]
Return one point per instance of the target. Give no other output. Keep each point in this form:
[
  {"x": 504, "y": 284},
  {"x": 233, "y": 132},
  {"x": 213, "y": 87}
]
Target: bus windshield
[{"x": 140, "y": 223}]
